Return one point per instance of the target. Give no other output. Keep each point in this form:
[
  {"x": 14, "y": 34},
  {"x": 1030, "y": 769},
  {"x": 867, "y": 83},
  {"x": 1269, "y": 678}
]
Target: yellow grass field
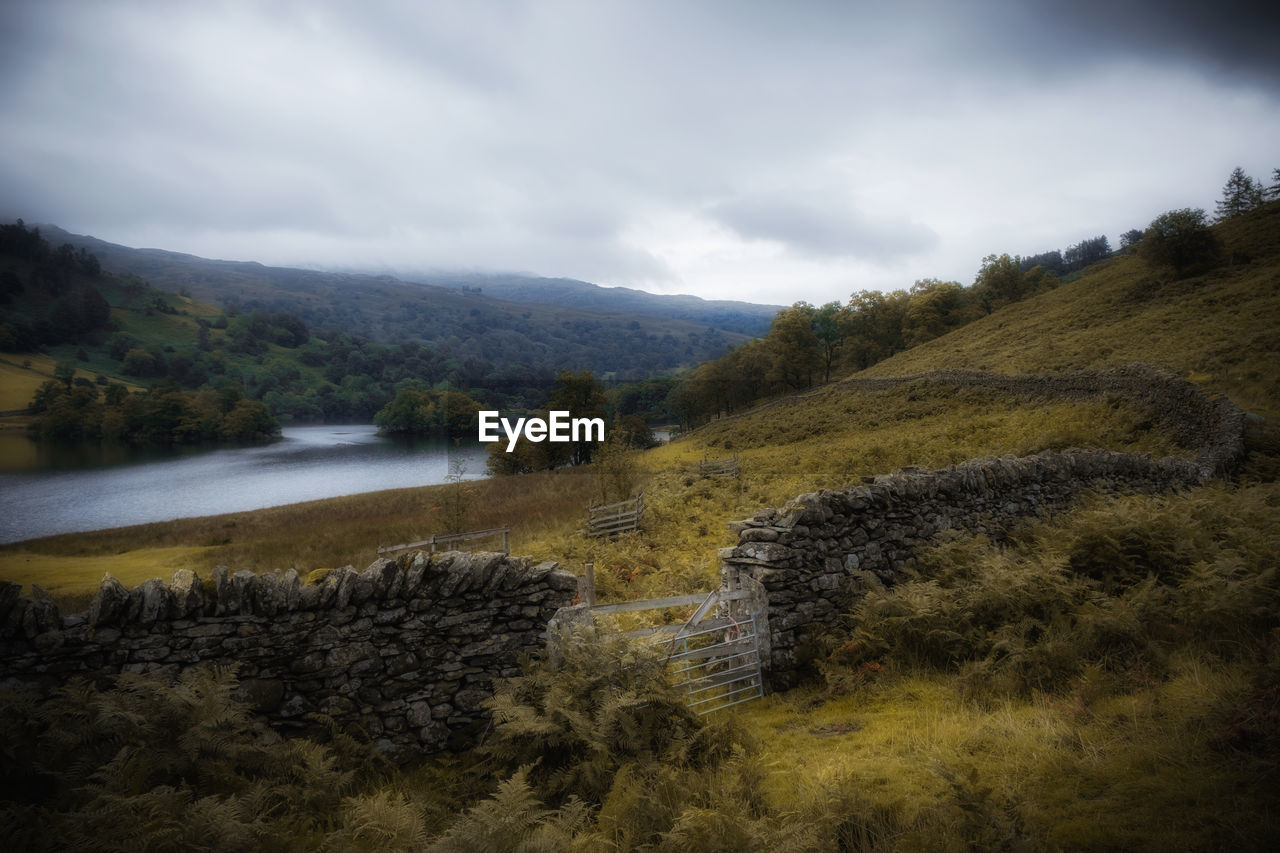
[{"x": 64, "y": 577}]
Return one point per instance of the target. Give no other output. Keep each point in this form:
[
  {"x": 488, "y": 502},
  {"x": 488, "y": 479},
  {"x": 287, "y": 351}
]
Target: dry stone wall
[
  {"x": 821, "y": 551},
  {"x": 406, "y": 650}
]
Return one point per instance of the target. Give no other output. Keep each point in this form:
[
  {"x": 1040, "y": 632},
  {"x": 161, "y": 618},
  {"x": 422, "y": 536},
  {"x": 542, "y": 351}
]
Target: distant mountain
[
  {"x": 500, "y": 319},
  {"x": 745, "y": 317}
]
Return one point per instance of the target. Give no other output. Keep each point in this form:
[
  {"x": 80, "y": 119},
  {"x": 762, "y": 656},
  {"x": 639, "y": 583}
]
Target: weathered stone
[
  {"x": 242, "y": 590},
  {"x": 766, "y": 552},
  {"x": 267, "y": 595},
  {"x": 344, "y": 580},
  {"x": 414, "y": 661},
  {"x": 8, "y": 597},
  {"x": 414, "y": 574},
  {"x": 186, "y": 596},
  {"x": 289, "y": 591},
  {"x": 110, "y": 603}
]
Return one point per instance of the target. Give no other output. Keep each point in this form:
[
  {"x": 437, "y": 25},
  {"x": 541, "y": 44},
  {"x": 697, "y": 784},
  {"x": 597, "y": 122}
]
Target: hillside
[
  {"x": 1221, "y": 329},
  {"x": 745, "y": 317},
  {"x": 541, "y": 323}
]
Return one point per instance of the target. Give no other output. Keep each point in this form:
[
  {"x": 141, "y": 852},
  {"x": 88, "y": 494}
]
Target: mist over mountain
[{"x": 543, "y": 323}]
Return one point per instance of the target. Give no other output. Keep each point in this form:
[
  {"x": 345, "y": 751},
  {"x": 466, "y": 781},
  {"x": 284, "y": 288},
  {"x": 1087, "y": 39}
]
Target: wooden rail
[
  {"x": 611, "y": 519},
  {"x": 451, "y": 538},
  {"x": 719, "y": 467}
]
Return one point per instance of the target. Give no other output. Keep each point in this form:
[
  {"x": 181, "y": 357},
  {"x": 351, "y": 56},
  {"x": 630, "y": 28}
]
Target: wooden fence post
[{"x": 589, "y": 586}]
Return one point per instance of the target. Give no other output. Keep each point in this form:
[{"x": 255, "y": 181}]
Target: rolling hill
[{"x": 541, "y": 323}]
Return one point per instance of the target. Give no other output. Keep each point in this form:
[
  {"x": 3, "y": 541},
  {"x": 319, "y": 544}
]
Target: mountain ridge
[{"x": 638, "y": 335}]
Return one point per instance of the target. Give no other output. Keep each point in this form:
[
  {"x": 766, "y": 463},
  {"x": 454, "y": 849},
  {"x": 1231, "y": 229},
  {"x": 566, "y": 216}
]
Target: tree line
[
  {"x": 808, "y": 344},
  {"x": 75, "y": 409}
]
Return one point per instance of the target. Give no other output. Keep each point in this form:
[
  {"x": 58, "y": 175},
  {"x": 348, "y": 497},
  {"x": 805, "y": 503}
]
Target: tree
[
  {"x": 934, "y": 309},
  {"x": 876, "y": 325},
  {"x": 139, "y": 362},
  {"x": 1272, "y": 193},
  {"x": 795, "y": 346},
  {"x": 831, "y": 326},
  {"x": 1240, "y": 195},
  {"x": 457, "y": 499},
  {"x": 1130, "y": 239},
  {"x": 1180, "y": 239},
  {"x": 582, "y": 397},
  {"x": 1087, "y": 252},
  {"x": 64, "y": 372},
  {"x": 249, "y": 421},
  {"x": 617, "y": 469},
  {"x": 441, "y": 413},
  {"x": 1001, "y": 278}
]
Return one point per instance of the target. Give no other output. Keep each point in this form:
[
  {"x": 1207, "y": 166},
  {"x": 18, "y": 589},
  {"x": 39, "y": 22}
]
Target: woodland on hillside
[{"x": 808, "y": 345}]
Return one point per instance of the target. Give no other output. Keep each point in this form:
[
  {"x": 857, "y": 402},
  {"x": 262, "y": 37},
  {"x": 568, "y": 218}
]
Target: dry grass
[
  {"x": 71, "y": 580},
  {"x": 306, "y": 536},
  {"x": 1131, "y": 771},
  {"x": 825, "y": 440},
  {"x": 1219, "y": 329}
]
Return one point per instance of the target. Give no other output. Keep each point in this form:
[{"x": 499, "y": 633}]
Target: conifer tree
[
  {"x": 1272, "y": 192},
  {"x": 1240, "y": 195}
]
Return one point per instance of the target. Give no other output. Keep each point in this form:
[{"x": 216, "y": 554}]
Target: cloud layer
[{"x": 753, "y": 150}]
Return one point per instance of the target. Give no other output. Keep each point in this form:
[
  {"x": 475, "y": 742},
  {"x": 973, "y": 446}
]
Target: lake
[{"x": 77, "y": 489}]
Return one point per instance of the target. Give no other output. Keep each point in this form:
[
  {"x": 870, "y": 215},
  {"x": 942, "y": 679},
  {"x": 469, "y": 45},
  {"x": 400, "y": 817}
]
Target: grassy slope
[
  {"x": 1110, "y": 766},
  {"x": 1221, "y": 329},
  {"x": 154, "y": 329},
  {"x": 1121, "y": 759}
]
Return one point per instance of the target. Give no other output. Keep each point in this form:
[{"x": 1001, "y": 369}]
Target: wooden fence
[
  {"x": 611, "y": 519},
  {"x": 719, "y": 467},
  {"x": 449, "y": 539}
]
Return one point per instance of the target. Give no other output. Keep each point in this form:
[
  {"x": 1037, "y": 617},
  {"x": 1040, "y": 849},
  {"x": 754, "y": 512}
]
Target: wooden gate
[{"x": 718, "y": 656}]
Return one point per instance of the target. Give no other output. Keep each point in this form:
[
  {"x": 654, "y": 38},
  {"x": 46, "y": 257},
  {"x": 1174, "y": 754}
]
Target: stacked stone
[
  {"x": 818, "y": 553},
  {"x": 406, "y": 650}
]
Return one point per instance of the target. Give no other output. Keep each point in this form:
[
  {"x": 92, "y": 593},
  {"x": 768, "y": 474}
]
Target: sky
[{"x": 765, "y": 151}]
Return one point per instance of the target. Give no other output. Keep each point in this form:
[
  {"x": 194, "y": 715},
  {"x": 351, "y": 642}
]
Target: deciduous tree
[{"x": 1180, "y": 239}]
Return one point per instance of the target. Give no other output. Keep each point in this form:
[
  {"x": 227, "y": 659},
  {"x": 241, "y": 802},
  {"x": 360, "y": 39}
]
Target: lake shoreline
[{"x": 102, "y": 492}]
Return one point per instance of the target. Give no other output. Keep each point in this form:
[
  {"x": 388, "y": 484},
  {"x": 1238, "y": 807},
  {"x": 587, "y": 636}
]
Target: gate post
[{"x": 755, "y": 606}]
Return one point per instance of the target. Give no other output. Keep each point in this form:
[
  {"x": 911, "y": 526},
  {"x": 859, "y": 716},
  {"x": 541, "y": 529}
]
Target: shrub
[
  {"x": 1117, "y": 584},
  {"x": 603, "y": 704},
  {"x": 153, "y": 764}
]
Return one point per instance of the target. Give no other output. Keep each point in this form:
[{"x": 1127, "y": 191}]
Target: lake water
[{"x": 95, "y": 491}]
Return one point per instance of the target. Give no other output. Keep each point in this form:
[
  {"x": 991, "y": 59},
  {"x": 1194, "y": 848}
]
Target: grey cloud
[
  {"x": 1234, "y": 39},
  {"x": 551, "y": 135},
  {"x": 823, "y": 227}
]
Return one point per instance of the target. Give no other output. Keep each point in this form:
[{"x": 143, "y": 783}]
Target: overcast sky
[{"x": 763, "y": 151}]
